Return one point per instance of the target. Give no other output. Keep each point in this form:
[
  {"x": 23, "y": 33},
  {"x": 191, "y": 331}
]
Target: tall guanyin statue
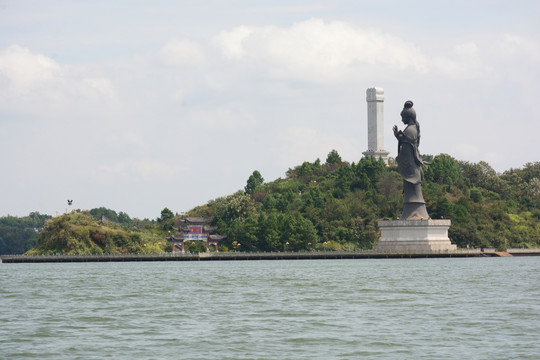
[{"x": 410, "y": 165}]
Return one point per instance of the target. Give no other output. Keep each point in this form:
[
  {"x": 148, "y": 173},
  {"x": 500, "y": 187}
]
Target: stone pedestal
[{"x": 412, "y": 236}]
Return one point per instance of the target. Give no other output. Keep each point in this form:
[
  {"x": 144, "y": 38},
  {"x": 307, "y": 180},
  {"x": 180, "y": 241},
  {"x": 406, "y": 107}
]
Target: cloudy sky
[{"x": 139, "y": 105}]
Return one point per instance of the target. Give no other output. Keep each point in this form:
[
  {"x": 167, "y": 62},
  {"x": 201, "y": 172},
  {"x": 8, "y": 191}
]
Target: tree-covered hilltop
[
  {"x": 19, "y": 234},
  {"x": 81, "y": 233},
  {"x": 96, "y": 231},
  {"x": 336, "y": 205},
  {"x": 333, "y": 205}
]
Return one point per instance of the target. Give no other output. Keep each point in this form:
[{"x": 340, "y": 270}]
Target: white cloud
[
  {"x": 25, "y": 70},
  {"x": 515, "y": 46},
  {"x": 466, "y": 61},
  {"x": 317, "y": 51},
  {"x": 34, "y": 83},
  {"x": 239, "y": 88},
  {"x": 101, "y": 85},
  {"x": 337, "y": 51},
  {"x": 182, "y": 52},
  {"x": 517, "y": 58},
  {"x": 232, "y": 42},
  {"x": 467, "y": 50}
]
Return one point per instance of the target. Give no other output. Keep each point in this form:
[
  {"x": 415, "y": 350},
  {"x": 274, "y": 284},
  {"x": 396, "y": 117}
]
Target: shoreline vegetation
[{"x": 318, "y": 207}]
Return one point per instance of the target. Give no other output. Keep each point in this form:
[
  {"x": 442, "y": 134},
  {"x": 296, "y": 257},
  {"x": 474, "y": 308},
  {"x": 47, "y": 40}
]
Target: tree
[
  {"x": 444, "y": 169},
  {"x": 476, "y": 194},
  {"x": 336, "y": 204},
  {"x": 269, "y": 236},
  {"x": 298, "y": 233},
  {"x": 254, "y": 181},
  {"x": 234, "y": 206},
  {"x": 123, "y": 218},
  {"x": 166, "y": 214},
  {"x": 166, "y": 219},
  {"x": 390, "y": 187},
  {"x": 368, "y": 171},
  {"x": 18, "y": 235},
  {"x": 333, "y": 157},
  {"x": 345, "y": 176},
  {"x": 80, "y": 233},
  {"x": 244, "y": 232},
  {"x": 109, "y": 214},
  {"x": 482, "y": 175}
]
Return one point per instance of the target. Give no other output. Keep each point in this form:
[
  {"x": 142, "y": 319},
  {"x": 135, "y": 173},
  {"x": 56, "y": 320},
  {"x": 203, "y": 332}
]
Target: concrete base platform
[{"x": 409, "y": 236}]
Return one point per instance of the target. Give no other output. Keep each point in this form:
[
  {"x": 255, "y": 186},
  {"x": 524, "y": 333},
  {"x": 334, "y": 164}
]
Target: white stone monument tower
[{"x": 375, "y": 102}]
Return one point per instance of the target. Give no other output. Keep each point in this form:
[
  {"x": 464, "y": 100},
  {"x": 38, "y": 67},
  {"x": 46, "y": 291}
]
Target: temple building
[
  {"x": 375, "y": 102},
  {"x": 195, "y": 229}
]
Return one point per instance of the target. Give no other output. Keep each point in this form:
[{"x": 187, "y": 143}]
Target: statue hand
[{"x": 395, "y": 130}]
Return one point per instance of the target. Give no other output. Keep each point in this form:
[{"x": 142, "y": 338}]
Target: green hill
[
  {"x": 81, "y": 233},
  {"x": 336, "y": 205},
  {"x": 19, "y": 234},
  {"x": 318, "y": 206}
]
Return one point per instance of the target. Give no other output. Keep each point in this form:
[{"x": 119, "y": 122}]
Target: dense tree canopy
[
  {"x": 254, "y": 181},
  {"x": 333, "y": 206},
  {"x": 18, "y": 235},
  {"x": 81, "y": 233},
  {"x": 336, "y": 205},
  {"x": 333, "y": 157}
]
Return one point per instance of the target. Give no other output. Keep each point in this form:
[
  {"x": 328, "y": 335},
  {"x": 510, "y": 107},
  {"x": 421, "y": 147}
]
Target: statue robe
[
  {"x": 408, "y": 159},
  {"x": 410, "y": 168}
]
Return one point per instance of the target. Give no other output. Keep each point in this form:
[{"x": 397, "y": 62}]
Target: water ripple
[{"x": 322, "y": 309}]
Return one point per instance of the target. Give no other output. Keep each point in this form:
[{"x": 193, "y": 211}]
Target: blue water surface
[{"x": 450, "y": 308}]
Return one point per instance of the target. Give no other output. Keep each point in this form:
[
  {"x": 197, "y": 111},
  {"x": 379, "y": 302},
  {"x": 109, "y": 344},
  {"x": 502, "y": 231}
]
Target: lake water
[{"x": 453, "y": 308}]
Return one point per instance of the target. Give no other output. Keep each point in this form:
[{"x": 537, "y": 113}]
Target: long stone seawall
[{"x": 10, "y": 259}]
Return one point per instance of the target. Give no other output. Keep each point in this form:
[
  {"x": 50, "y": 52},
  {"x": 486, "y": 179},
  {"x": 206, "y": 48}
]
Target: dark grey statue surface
[{"x": 410, "y": 165}]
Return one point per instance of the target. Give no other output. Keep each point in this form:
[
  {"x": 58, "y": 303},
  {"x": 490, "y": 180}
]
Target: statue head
[{"x": 408, "y": 112}]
